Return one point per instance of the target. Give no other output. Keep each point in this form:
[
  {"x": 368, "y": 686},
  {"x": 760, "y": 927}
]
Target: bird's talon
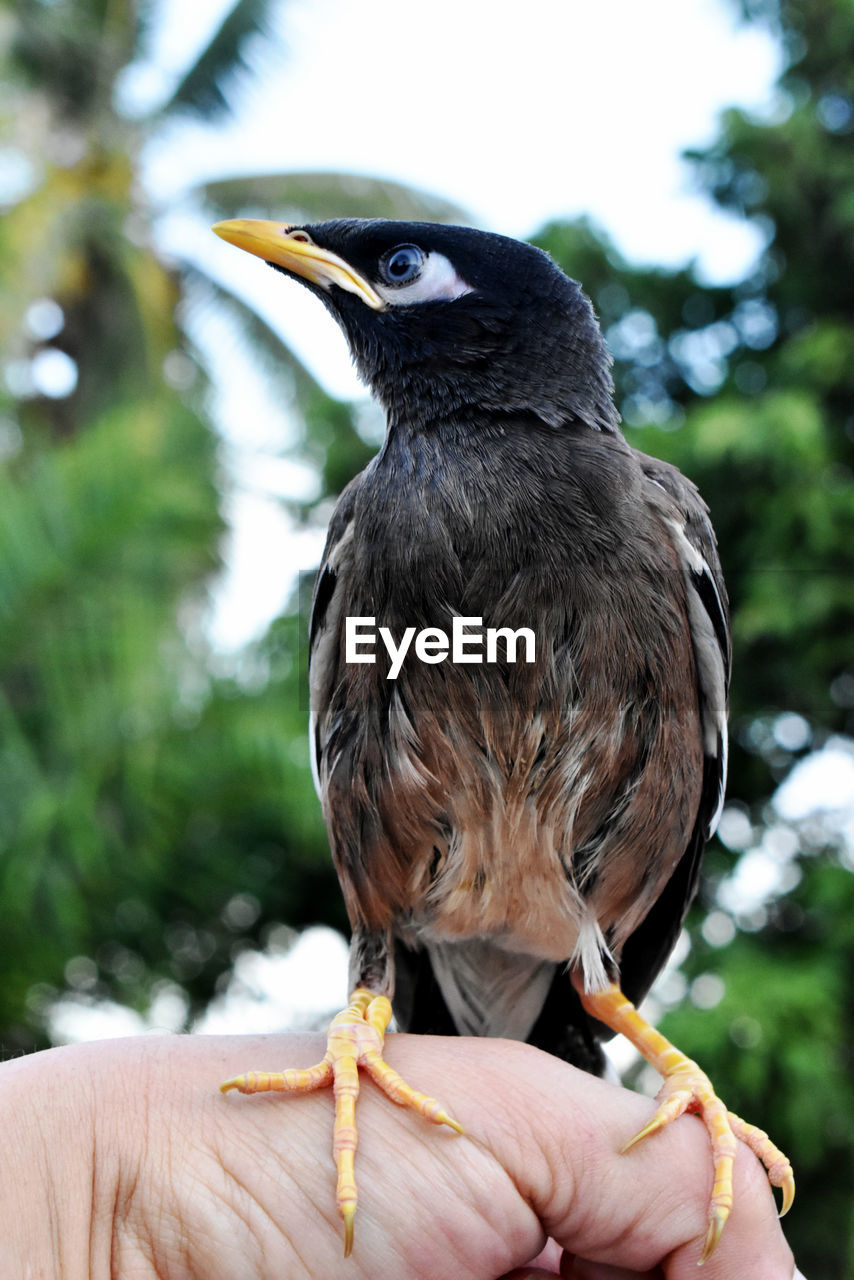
[
  {"x": 348, "y": 1215},
  {"x": 645, "y": 1132},
  {"x": 674, "y": 1102},
  {"x": 714, "y": 1232},
  {"x": 788, "y": 1189}
]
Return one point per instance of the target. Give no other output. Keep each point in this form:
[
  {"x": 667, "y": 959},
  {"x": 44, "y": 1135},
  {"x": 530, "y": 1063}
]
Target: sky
[
  {"x": 573, "y": 109},
  {"x": 517, "y": 114}
]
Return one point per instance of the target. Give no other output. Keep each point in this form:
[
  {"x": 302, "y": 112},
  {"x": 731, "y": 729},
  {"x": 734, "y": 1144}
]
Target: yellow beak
[{"x": 290, "y": 247}]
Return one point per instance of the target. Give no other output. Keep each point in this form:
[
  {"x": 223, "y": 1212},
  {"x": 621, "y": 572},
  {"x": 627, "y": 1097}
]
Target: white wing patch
[
  {"x": 312, "y": 753},
  {"x": 707, "y": 621},
  {"x": 323, "y": 659},
  {"x": 439, "y": 281}
]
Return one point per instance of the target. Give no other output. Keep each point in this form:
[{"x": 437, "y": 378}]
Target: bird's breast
[{"x": 516, "y": 800}]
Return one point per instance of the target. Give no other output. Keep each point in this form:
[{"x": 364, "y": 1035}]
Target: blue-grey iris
[{"x": 403, "y": 264}]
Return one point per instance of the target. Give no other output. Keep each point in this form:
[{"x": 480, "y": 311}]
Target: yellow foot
[
  {"x": 687, "y": 1088},
  {"x": 355, "y": 1039}
]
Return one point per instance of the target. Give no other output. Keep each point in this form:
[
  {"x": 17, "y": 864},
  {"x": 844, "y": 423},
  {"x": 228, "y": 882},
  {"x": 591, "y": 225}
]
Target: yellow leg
[
  {"x": 687, "y": 1088},
  {"x": 355, "y": 1039}
]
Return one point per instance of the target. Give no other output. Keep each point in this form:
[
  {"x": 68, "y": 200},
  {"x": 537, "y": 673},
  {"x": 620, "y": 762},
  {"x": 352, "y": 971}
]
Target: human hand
[{"x": 128, "y": 1161}]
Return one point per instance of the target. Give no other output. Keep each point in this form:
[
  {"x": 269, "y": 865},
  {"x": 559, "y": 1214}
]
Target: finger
[
  {"x": 528, "y": 1274},
  {"x": 558, "y": 1132},
  {"x": 578, "y": 1269}
]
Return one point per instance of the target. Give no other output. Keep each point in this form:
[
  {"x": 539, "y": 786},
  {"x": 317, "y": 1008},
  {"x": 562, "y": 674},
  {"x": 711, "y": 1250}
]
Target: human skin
[{"x": 122, "y": 1159}]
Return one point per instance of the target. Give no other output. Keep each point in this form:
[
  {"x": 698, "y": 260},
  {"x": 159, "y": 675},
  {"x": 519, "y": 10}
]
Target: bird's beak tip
[
  {"x": 245, "y": 233},
  {"x": 298, "y": 254}
]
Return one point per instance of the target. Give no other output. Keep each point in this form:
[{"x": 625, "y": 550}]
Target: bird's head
[{"x": 443, "y": 320}]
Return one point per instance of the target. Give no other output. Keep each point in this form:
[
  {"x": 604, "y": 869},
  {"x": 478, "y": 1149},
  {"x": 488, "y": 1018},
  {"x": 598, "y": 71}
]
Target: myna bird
[{"x": 517, "y": 833}]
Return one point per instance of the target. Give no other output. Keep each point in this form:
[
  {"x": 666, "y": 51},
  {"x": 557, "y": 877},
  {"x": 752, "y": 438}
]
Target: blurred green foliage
[
  {"x": 140, "y": 792},
  {"x": 157, "y": 816}
]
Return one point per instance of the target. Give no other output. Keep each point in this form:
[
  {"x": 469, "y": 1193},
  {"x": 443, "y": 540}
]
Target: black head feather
[{"x": 523, "y": 339}]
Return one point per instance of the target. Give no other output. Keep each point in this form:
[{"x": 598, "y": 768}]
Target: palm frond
[
  {"x": 203, "y": 89},
  {"x": 277, "y": 359},
  {"x": 71, "y": 54},
  {"x": 304, "y": 197}
]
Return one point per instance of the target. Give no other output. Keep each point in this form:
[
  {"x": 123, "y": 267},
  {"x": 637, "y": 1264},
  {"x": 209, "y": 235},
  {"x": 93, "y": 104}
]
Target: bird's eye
[{"x": 402, "y": 265}]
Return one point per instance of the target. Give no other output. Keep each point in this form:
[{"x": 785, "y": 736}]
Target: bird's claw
[
  {"x": 714, "y": 1231},
  {"x": 355, "y": 1039},
  {"x": 688, "y": 1089},
  {"x": 777, "y": 1165}
]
